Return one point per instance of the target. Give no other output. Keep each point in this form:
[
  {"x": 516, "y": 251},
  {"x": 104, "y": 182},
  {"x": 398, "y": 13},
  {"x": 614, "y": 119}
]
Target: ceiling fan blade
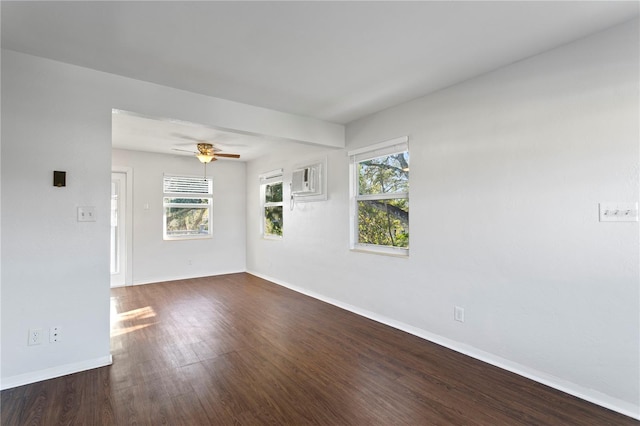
[
  {"x": 184, "y": 150},
  {"x": 228, "y": 155}
]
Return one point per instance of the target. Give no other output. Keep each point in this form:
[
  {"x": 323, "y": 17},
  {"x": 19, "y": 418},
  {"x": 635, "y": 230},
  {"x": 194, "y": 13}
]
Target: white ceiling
[
  {"x": 335, "y": 61},
  {"x": 136, "y": 132}
]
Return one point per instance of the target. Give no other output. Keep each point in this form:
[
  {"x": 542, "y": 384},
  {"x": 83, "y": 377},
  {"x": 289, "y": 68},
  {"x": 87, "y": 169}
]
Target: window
[
  {"x": 188, "y": 207},
  {"x": 380, "y": 198},
  {"x": 272, "y": 204}
]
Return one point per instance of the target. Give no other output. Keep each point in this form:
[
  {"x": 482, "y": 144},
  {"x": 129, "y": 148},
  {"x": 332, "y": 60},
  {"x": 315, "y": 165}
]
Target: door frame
[{"x": 128, "y": 220}]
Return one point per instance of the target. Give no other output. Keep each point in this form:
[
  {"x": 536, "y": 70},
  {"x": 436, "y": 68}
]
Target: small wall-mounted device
[{"x": 59, "y": 179}]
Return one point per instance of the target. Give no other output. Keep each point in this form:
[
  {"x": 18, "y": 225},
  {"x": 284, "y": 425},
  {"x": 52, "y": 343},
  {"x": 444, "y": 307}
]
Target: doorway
[{"x": 120, "y": 252}]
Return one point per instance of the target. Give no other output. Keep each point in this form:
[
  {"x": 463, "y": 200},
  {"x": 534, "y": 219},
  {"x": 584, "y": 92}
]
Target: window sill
[
  {"x": 384, "y": 251},
  {"x": 188, "y": 237}
]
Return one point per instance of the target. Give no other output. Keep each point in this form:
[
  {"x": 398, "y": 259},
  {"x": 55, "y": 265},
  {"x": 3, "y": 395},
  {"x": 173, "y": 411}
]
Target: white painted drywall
[
  {"x": 507, "y": 171},
  {"x": 157, "y": 260},
  {"x": 53, "y": 267},
  {"x": 55, "y": 271}
]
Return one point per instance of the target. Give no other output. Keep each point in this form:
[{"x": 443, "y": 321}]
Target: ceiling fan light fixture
[{"x": 205, "y": 158}]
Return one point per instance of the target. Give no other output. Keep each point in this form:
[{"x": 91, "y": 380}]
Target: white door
[{"x": 118, "y": 228}]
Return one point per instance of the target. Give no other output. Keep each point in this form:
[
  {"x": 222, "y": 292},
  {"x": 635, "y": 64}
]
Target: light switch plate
[
  {"x": 86, "y": 214},
  {"x": 618, "y": 212}
]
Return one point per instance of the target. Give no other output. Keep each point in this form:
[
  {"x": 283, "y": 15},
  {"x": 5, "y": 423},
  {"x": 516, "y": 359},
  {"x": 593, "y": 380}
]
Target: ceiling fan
[{"x": 207, "y": 153}]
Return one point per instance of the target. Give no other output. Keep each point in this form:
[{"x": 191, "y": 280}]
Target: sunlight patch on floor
[{"x": 130, "y": 321}]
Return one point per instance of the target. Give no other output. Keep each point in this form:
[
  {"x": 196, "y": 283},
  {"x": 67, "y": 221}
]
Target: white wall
[
  {"x": 507, "y": 171},
  {"x": 55, "y": 270},
  {"x": 157, "y": 260}
]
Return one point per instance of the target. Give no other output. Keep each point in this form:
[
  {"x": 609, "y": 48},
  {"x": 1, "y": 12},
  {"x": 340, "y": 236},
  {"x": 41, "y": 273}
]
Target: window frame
[
  {"x": 190, "y": 193},
  {"x": 357, "y": 156},
  {"x": 270, "y": 178}
]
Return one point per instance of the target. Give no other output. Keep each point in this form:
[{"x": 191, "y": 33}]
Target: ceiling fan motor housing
[{"x": 205, "y": 148}]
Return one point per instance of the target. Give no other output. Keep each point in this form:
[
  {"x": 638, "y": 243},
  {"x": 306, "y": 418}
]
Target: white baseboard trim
[
  {"x": 593, "y": 396},
  {"x": 53, "y": 372},
  {"x": 183, "y": 277}
]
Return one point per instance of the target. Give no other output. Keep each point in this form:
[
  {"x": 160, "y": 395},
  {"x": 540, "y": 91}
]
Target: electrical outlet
[
  {"x": 35, "y": 336},
  {"x": 55, "y": 333},
  {"x": 458, "y": 313}
]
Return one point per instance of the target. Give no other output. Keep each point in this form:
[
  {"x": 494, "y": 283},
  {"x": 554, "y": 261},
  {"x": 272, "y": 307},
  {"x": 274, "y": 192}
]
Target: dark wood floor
[{"x": 236, "y": 349}]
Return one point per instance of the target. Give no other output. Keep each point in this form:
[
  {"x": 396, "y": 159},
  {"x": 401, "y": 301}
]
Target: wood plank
[{"x": 236, "y": 349}]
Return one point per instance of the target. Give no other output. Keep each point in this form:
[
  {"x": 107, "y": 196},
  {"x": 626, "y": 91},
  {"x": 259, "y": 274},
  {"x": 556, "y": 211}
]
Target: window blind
[{"x": 187, "y": 185}]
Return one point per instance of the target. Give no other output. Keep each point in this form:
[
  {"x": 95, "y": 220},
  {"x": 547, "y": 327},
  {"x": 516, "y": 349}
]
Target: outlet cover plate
[{"x": 35, "y": 336}]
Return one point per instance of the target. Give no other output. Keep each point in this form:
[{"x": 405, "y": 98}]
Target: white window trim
[
  {"x": 208, "y": 195},
  {"x": 389, "y": 147},
  {"x": 269, "y": 178}
]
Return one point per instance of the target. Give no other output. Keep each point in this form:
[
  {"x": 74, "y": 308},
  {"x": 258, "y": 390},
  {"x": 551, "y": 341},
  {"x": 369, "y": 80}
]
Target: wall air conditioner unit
[
  {"x": 303, "y": 181},
  {"x": 309, "y": 181}
]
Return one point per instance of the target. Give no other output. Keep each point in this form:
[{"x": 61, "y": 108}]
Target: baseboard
[
  {"x": 590, "y": 395},
  {"x": 53, "y": 372},
  {"x": 183, "y": 277}
]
